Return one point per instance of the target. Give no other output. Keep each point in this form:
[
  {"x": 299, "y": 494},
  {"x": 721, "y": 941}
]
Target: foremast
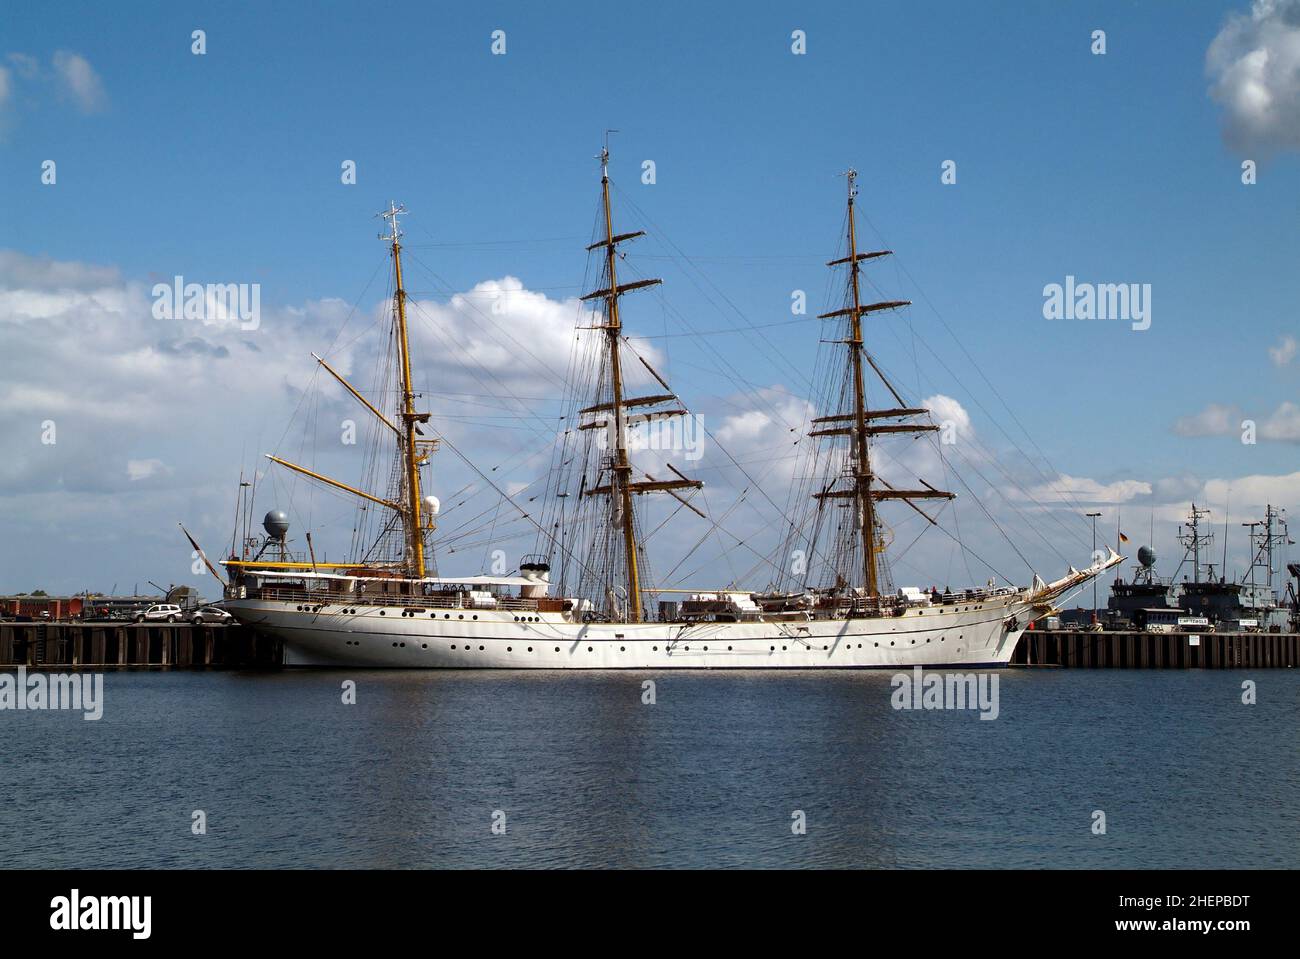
[
  {"x": 621, "y": 486},
  {"x": 860, "y": 423}
]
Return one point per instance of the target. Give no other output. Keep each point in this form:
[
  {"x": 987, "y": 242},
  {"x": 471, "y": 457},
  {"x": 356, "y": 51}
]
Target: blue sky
[{"x": 225, "y": 168}]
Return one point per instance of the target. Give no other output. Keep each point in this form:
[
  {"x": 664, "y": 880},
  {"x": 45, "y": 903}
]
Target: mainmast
[
  {"x": 621, "y": 486},
  {"x": 857, "y": 422},
  {"x": 409, "y": 417}
]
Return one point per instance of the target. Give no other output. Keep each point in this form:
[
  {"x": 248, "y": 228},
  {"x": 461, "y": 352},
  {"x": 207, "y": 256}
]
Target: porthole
[
  {"x": 728, "y": 649},
  {"x": 530, "y": 649},
  {"x": 424, "y": 645},
  {"x": 877, "y": 644},
  {"x": 891, "y": 642},
  {"x": 510, "y": 649},
  {"x": 453, "y": 647},
  {"x": 475, "y": 617},
  {"x": 394, "y": 645},
  {"x": 622, "y": 649},
  {"x": 480, "y": 649},
  {"x": 461, "y": 616},
  {"x": 706, "y": 649},
  {"x": 403, "y": 645},
  {"x": 588, "y": 649},
  {"x": 381, "y": 612},
  {"x": 557, "y": 649},
  {"x": 771, "y": 649}
]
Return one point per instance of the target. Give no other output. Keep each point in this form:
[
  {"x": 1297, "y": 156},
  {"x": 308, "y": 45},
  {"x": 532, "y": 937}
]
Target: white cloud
[
  {"x": 5, "y": 86},
  {"x": 78, "y": 80},
  {"x": 25, "y": 66},
  {"x": 1285, "y": 351},
  {"x": 1215, "y": 420},
  {"x": 1081, "y": 489},
  {"x": 153, "y": 418},
  {"x": 1283, "y": 424},
  {"x": 143, "y": 469},
  {"x": 1254, "y": 66}
]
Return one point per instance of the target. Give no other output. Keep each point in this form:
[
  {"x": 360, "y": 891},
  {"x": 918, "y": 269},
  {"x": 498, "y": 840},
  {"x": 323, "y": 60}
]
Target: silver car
[{"x": 210, "y": 614}]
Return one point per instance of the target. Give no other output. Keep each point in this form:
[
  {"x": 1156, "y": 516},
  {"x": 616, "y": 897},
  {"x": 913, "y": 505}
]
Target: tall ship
[{"x": 586, "y": 597}]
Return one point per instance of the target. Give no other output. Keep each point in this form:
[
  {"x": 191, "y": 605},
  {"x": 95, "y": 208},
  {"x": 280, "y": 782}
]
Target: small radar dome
[
  {"x": 1147, "y": 556},
  {"x": 276, "y": 523},
  {"x": 433, "y": 504}
]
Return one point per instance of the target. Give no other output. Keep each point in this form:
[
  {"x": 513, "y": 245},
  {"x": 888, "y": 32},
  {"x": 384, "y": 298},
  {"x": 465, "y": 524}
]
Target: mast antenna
[{"x": 409, "y": 417}]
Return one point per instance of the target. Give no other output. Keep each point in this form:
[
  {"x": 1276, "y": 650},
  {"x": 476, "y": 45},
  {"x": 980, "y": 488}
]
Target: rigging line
[
  {"x": 473, "y": 371},
  {"x": 956, "y": 519},
  {"x": 526, "y": 515},
  {"x": 339, "y": 332},
  {"x": 660, "y": 234},
  {"x": 996, "y": 526},
  {"x": 461, "y": 243},
  {"x": 734, "y": 329},
  {"x": 511, "y": 342},
  {"x": 998, "y": 464},
  {"x": 903, "y": 266}
]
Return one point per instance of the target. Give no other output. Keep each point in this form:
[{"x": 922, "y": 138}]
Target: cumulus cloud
[
  {"x": 1254, "y": 67},
  {"x": 1215, "y": 420},
  {"x": 79, "y": 82},
  {"x": 143, "y": 469},
  {"x": 115, "y": 422},
  {"x": 1285, "y": 351},
  {"x": 1283, "y": 424},
  {"x": 1081, "y": 489}
]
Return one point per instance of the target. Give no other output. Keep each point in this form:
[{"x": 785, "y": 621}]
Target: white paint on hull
[{"x": 970, "y": 634}]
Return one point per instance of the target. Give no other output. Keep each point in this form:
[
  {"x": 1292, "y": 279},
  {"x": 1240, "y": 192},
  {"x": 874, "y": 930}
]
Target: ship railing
[{"x": 325, "y": 597}]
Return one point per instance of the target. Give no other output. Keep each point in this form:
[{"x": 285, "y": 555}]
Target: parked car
[
  {"x": 160, "y": 612},
  {"x": 209, "y": 614}
]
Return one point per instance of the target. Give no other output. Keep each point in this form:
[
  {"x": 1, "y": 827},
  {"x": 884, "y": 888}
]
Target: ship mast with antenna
[
  {"x": 859, "y": 424},
  {"x": 414, "y": 452},
  {"x": 409, "y": 417},
  {"x": 621, "y": 486}
]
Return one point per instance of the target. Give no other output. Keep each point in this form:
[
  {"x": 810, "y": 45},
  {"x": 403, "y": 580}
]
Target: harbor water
[{"x": 528, "y": 769}]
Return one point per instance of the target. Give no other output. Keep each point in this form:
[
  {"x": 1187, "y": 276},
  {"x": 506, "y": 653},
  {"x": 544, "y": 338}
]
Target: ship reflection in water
[{"x": 587, "y": 774}]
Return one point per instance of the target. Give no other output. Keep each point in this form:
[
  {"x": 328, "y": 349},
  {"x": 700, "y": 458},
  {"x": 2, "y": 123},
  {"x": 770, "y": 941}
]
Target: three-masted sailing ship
[{"x": 581, "y": 601}]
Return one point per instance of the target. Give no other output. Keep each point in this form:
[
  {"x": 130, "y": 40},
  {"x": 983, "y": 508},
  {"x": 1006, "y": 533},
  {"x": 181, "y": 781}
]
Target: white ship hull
[{"x": 967, "y": 634}]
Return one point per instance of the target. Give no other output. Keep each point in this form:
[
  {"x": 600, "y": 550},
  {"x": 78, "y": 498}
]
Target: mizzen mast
[{"x": 860, "y": 423}]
